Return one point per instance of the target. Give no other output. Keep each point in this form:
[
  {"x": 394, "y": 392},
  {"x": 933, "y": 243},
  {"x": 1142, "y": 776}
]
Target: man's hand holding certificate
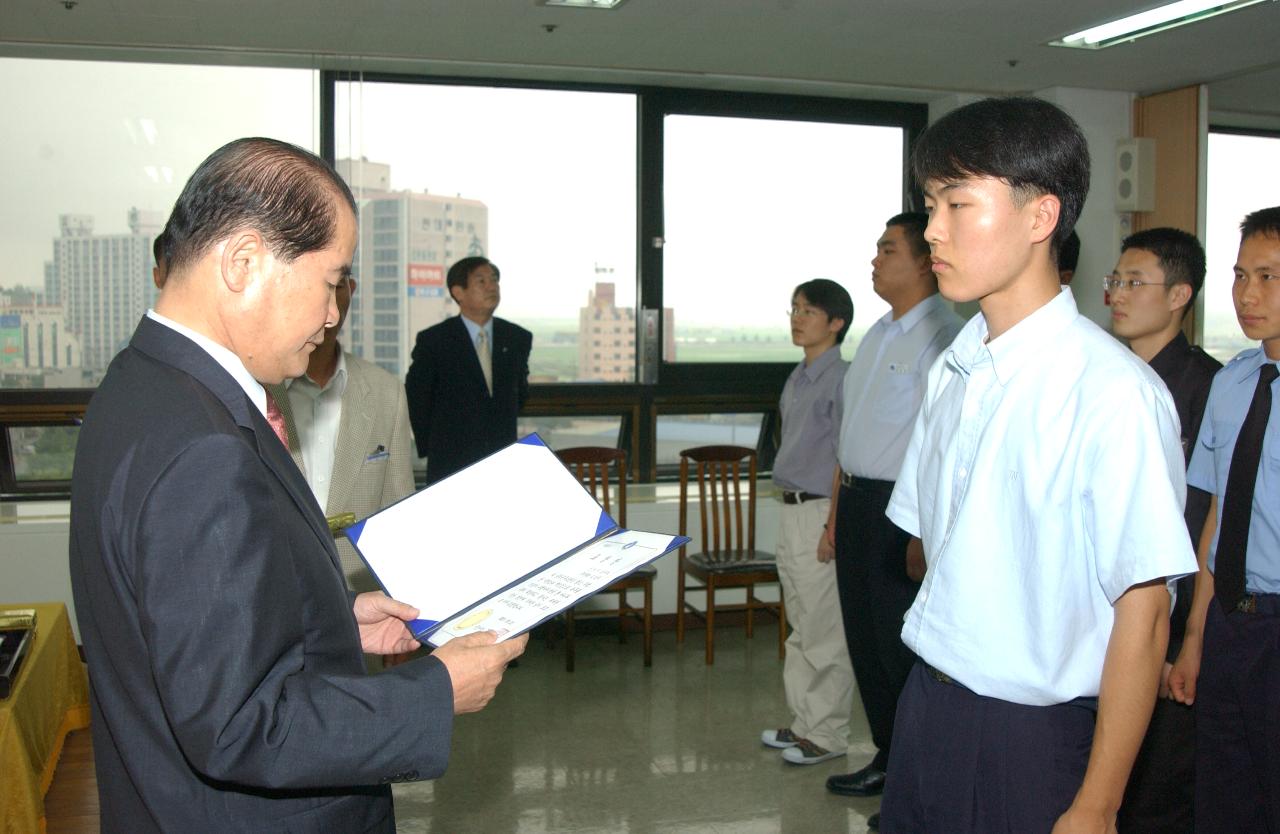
[{"x": 500, "y": 546}]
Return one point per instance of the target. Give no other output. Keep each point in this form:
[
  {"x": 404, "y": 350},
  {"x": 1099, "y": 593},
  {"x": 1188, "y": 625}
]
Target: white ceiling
[{"x": 906, "y": 49}]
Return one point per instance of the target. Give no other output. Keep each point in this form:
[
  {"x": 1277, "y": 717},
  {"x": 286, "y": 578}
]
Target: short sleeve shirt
[
  {"x": 1229, "y": 400},
  {"x": 1045, "y": 477},
  {"x": 884, "y": 385},
  {"x": 811, "y": 407}
]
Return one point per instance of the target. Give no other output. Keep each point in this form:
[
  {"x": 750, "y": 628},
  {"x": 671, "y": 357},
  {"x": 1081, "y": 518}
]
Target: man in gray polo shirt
[
  {"x": 875, "y": 574},
  {"x": 817, "y": 676}
]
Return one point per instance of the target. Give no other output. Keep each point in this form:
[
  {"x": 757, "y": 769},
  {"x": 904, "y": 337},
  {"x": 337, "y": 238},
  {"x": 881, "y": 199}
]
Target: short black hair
[
  {"x": 1069, "y": 254},
  {"x": 460, "y": 272},
  {"x": 1028, "y": 143},
  {"x": 1261, "y": 222},
  {"x": 1180, "y": 255},
  {"x": 913, "y": 224},
  {"x": 830, "y": 298},
  {"x": 284, "y": 192}
]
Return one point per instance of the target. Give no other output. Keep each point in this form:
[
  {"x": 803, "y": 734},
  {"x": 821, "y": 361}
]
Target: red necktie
[{"x": 276, "y": 418}]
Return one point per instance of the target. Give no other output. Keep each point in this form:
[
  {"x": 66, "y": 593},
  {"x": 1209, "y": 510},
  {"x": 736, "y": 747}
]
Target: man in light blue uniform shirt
[{"x": 1234, "y": 623}]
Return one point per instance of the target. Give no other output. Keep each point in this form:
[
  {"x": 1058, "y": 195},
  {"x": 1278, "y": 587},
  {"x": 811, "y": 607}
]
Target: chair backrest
[
  {"x": 592, "y": 465},
  {"x": 720, "y": 474}
]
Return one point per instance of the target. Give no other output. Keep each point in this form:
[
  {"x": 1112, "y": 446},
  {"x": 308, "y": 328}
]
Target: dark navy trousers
[
  {"x": 1238, "y": 722},
  {"x": 963, "y": 762}
]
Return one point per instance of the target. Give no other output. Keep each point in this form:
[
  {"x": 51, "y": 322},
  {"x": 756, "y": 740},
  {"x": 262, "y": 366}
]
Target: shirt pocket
[{"x": 897, "y": 397}]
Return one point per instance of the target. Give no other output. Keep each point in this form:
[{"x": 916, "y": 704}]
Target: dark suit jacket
[
  {"x": 455, "y": 421},
  {"x": 228, "y": 687}
]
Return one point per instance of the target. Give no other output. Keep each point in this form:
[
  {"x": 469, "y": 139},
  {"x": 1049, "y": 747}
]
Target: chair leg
[
  {"x": 711, "y": 621},
  {"x": 648, "y": 623},
  {"x": 751, "y": 610},
  {"x": 568, "y": 639}
]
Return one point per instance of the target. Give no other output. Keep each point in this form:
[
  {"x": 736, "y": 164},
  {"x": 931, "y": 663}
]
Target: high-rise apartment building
[
  {"x": 102, "y": 282},
  {"x": 35, "y": 347},
  {"x": 407, "y": 242},
  {"x": 606, "y": 338}
]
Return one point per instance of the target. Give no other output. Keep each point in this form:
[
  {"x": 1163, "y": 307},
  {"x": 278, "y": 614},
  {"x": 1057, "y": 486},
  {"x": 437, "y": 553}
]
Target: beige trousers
[{"x": 816, "y": 674}]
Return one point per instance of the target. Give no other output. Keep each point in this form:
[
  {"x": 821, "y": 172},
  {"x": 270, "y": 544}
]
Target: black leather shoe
[
  {"x": 873, "y": 822},
  {"x": 866, "y": 782}
]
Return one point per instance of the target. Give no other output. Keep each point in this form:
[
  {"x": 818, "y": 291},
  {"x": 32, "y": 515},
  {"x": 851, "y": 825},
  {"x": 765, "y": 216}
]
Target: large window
[
  {"x": 1244, "y": 176},
  {"x": 543, "y": 182},
  {"x": 649, "y": 237},
  {"x": 754, "y": 207},
  {"x": 94, "y": 155}
]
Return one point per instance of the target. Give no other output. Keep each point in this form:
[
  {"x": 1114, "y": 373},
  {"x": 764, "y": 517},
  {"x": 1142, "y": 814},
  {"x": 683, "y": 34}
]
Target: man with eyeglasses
[
  {"x": 878, "y": 566},
  {"x": 816, "y": 675},
  {"x": 1154, "y": 284}
]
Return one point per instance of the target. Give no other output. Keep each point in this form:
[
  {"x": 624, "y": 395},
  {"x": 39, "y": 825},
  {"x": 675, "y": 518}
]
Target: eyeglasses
[
  {"x": 1112, "y": 283},
  {"x": 806, "y": 312}
]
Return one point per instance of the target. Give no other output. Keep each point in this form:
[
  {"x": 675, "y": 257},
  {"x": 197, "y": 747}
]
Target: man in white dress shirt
[
  {"x": 882, "y": 391},
  {"x": 348, "y": 424},
  {"x": 1045, "y": 477}
]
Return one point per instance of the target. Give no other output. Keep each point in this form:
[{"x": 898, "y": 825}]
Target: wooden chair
[
  {"x": 592, "y": 465},
  {"x": 728, "y": 557}
]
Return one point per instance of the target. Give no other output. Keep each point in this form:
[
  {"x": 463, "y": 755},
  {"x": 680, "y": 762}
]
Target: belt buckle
[
  {"x": 940, "y": 677},
  {"x": 1248, "y": 604}
]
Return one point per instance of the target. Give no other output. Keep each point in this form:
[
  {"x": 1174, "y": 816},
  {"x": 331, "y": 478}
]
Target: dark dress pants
[
  {"x": 875, "y": 593},
  {"x": 1238, "y": 722},
  {"x": 964, "y": 763}
]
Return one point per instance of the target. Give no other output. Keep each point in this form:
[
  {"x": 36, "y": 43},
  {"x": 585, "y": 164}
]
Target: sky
[{"x": 99, "y": 138}]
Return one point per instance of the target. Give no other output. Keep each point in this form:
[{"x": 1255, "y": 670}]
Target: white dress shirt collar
[
  {"x": 1019, "y": 345},
  {"x": 473, "y": 329}
]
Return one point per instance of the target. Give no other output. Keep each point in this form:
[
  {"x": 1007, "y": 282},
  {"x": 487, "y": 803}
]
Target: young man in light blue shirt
[{"x": 1045, "y": 479}]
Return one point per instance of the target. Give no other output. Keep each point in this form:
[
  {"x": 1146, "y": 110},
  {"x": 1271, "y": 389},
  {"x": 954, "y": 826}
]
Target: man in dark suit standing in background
[
  {"x": 469, "y": 377},
  {"x": 225, "y": 653}
]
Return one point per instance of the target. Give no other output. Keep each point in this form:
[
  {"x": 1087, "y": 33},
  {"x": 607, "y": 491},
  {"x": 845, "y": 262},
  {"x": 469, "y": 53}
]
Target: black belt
[
  {"x": 1259, "y": 604},
  {"x": 789, "y": 497},
  {"x": 852, "y": 481}
]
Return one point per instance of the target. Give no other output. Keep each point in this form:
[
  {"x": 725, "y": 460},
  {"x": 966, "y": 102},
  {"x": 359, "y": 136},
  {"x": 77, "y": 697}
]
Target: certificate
[{"x": 500, "y": 546}]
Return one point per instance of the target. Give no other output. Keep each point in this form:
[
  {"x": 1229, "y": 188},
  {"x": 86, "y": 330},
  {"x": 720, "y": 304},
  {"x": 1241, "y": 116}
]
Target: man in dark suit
[
  {"x": 469, "y": 376},
  {"x": 227, "y": 681}
]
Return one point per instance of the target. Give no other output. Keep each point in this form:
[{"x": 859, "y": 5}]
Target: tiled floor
[{"x": 615, "y": 747}]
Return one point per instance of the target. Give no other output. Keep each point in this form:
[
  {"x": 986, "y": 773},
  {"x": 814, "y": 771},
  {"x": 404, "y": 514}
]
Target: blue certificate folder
[{"x": 501, "y": 546}]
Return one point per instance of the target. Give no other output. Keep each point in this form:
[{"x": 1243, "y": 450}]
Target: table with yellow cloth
[{"x": 51, "y": 699}]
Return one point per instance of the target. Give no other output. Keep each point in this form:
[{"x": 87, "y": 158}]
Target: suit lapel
[
  {"x": 354, "y": 428},
  {"x": 172, "y": 348},
  {"x": 501, "y": 356}
]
